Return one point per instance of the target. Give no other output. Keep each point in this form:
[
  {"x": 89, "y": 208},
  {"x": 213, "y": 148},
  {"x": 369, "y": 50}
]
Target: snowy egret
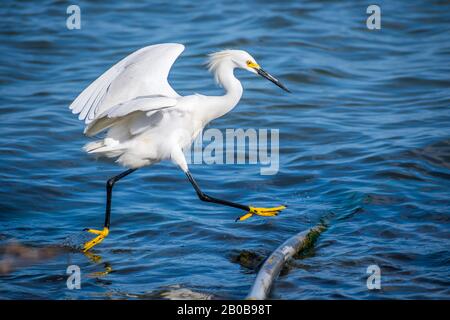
[{"x": 147, "y": 121}]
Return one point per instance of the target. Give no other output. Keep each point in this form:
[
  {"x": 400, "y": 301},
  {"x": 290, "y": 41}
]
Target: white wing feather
[
  {"x": 142, "y": 73},
  {"x": 148, "y": 103},
  {"x": 111, "y": 116}
]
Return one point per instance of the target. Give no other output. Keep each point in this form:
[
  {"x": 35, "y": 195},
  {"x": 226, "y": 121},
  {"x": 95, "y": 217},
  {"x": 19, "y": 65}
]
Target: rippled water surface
[{"x": 364, "y": 138}]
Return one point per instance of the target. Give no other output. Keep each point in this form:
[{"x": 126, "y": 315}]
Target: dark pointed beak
[{"x": 266, "y": 75}]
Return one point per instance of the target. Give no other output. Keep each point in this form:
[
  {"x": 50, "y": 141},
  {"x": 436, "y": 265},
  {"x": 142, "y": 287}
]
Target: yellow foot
[
  {"x": 264, "y": 212},
  {"x": 101, "y": 234}
]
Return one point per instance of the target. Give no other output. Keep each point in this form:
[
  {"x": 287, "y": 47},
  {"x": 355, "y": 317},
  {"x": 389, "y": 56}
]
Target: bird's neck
[
  {"x": 220, "y": 105},
  {"x": 225, "y": 77}
]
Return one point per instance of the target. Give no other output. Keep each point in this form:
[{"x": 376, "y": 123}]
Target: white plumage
[
  {"x": 146, "y": 120},
  {"x": 142, "y": 73}
]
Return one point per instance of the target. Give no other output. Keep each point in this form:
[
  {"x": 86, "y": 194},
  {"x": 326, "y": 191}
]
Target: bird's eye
[{"x": 249, "y": 62}]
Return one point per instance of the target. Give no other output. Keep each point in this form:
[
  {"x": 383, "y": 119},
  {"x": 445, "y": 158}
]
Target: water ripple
[{"x": 364, "y": 137}]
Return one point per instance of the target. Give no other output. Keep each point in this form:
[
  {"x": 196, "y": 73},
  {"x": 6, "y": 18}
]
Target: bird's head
[{"x": 243, "y": 60}]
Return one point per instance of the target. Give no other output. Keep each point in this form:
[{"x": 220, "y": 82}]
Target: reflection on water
[
  {"x": 15, "y": 255},
  {"x": 364, "y": 136}
]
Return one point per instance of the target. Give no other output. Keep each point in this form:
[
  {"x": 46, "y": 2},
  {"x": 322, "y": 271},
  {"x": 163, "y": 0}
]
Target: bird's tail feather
[
  {"x": 92, "y": 146},
  {"x": 107, "y": 147}
]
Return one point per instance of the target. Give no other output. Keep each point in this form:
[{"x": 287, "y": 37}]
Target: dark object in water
[
  {"x": 273, "y": 265},
  {"x": 15, "y": 255}
]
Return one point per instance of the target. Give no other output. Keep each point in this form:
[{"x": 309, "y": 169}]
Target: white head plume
[{"x": 231, "y": 58}]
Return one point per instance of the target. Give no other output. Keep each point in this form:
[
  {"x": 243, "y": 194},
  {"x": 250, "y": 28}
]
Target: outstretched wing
[
  {"x": 142, "y": 73},
  {"x": 146, "y": 105}
]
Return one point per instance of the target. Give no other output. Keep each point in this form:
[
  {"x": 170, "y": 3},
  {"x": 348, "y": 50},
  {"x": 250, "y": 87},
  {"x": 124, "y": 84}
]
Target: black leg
[
  {"x": 109, "y": 186},
  {"x": 207, "y": 198}
]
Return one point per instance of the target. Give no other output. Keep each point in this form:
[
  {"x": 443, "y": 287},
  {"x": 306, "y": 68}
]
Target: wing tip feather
[{"x": 83, "y": 113}]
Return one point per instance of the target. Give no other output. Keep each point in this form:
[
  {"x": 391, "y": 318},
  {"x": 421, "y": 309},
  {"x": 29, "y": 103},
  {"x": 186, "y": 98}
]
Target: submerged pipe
[{"x": 273, "y": 265}]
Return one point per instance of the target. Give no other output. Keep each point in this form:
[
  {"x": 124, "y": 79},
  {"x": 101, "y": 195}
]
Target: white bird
[{"x": 147, "y": 121}]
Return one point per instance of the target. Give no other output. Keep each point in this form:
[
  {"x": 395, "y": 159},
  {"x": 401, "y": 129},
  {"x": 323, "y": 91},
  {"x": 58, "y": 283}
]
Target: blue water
[{"x": 364, "y": 138}]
